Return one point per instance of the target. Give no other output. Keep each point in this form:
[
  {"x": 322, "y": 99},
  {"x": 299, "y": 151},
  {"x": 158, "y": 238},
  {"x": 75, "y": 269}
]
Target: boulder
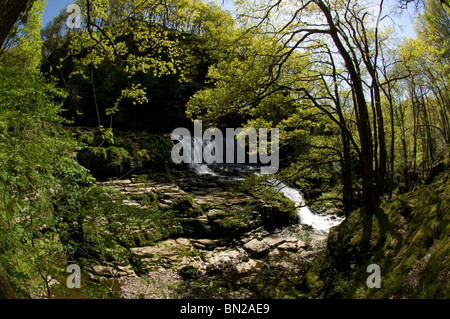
[
  {"x": 223, "y": 260},
  {"x": 147, "y": 251},
  {"x": 257, "y": 248},
  {"x": 183, "y": 242},
  {"x": 165, "y": 253},
  {"x": 126, "y": 271},
  {"x": 213, "y": 212},
  {"x": 105, "y": 271}
]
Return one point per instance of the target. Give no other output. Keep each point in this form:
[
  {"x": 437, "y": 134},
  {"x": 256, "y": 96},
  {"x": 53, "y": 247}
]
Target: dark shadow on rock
[{"x": 384, "y": 225}]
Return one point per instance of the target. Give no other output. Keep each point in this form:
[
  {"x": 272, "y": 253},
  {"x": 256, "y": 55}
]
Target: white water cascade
[
  {"x": 189, "y": 143},
  {"x": 197, "y": 146},
  {"x": 320, "y": 223}
]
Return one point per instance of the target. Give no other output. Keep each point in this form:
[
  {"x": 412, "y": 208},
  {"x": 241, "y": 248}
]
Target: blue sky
[
  {"x": 52, "y": 9},
  {"x": 54, "y": 6}
]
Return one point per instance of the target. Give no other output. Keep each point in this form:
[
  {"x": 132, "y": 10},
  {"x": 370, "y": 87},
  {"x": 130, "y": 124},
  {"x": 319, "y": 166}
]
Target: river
[{"x": 319, "y": 222}]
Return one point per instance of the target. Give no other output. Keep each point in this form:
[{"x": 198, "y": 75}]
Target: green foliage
[
  {"x": 242, "y": 88},
  {"x": 434, "y": 26},
  {"x": 24, "y": 48},
  {"x": 148, "y": 64},
  {"x": 40, "y": 182},
  {"x": 137, "y": 63},
  {"x": 115, "y": 153},
  {"x": 41, "y": 185},
  {"x": 185, "y": 205}
]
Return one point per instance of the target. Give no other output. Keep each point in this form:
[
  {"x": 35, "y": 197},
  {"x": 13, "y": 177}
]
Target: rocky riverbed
[
  {"x": 233, "y": 244},
  {"x": 205, "y": 268}
]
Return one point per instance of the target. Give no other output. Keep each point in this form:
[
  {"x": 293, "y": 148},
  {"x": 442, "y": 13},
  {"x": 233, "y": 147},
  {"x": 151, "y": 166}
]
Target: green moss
[
  {"x": 99, "y": 152},
  {"x": 109, "y": 224},
  {"x": 195, "y": 228},
  {"x": 231, "y": 225},
  {"x": 186, "y": 207},
  {"x": 409, "y": 242},
  {"x": 433, "y": 280},
  {"x": 117, "y": 157},
  {"x": 120, "y": 149},
  {"x": 418, "y": 243},
  {"x": 313, "y": 281},
  {"x": 203, "y": 208}
]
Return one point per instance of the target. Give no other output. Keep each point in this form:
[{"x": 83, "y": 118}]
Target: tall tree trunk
[
  {"x": 363, "y": 121},
  {"x": 375, "y": 130},
  {"x": 10, "y": 11},
  {"x": 391, "y": 159},
  {"x": 347, "y": 197},
  {"x": 5, "y": 290},
  {"x": 347, "y": 175},
  {"x": 400, "y": 115},
  {"x": 382, "y": 160},
  {"x": 364, "y": 129},
  {"x": 415, "y": 133}
]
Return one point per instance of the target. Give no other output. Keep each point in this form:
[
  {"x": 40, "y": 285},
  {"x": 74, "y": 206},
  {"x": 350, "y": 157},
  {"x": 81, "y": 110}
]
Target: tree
[
  {"x": 145, "y": 56},
  {"x": 11, "y": 11},
  {"x": 434, "y": 27},
  {"x": 427, "y": 90},
  {"x": 24, "y": 49},
  {"x": 40, "y": 183},
  {"x": 5, "y": 290},
  {"x": 340, "y": 26}
]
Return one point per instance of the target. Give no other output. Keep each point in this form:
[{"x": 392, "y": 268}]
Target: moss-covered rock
[
  {"x": 111, "y": 153},
  {"x": 409, "y": 241},
  {"x": 105, "y": 162}
]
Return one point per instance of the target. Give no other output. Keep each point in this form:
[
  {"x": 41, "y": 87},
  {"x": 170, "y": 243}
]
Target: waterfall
[
  {"x": 194, "y": 147},
  {"x": 319, "y": 222}
]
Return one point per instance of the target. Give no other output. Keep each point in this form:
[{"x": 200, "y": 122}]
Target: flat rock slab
[
  {"x": 109, "y": 271},
  {"x": 206, "y": 244},
  {"x": 273, "y": 240},
  {"x": 167, "y": 248},
  {"x": 248, "y": 266},
  {"x": 289, "y": 246}
]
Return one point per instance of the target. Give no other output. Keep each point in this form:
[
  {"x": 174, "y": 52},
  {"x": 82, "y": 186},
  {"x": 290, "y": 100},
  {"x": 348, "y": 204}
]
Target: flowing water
[
  {"x": 319, "y": 222},
  {"x": 307, "y": 217}
]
